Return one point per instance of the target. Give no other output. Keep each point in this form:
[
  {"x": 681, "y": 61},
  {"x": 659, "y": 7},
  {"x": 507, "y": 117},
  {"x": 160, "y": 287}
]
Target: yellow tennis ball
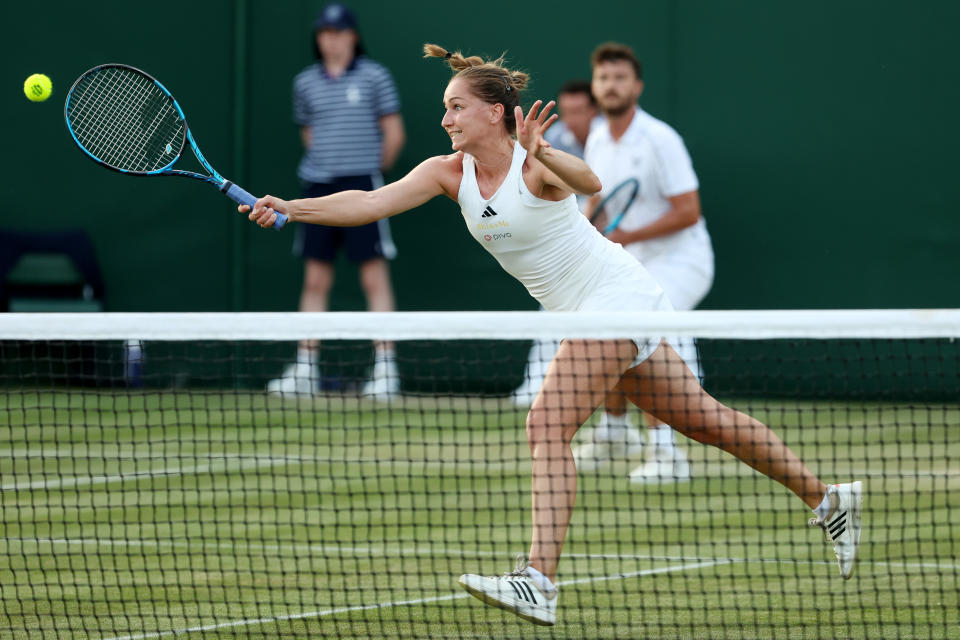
[{"x": 37, "y": 87}]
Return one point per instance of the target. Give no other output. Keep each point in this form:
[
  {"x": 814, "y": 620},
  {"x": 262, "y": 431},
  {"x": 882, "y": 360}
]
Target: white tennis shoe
[
  {"x": 384, "y": 382},
  {"x": 663, "y": 466},
  {"x": 842, "y": 523},
  {"x": 298, "y": 379},
  {"x": 607, "y": 443},
  {"x": 521, "y": 592}
]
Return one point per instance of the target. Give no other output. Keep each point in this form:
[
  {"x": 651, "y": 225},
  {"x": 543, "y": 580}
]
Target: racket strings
[
  {"x": 91, "y": 125},
  {"x": 108, "y": 122},
  {"x": 123, "y": 119},
  {"x": 614, "y": 206},
  {"x": 132, "y": 149},
  {"x": 145, "y": 149}
]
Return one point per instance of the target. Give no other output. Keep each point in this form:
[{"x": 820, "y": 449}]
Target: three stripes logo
[
  {"x": 488, "y": 212},
  {"x": 838, "y": 526},
  {"x": 522, "y": 589}
]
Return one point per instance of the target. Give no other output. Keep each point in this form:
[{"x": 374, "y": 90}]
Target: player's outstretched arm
[{"x": 355, "y": 208}]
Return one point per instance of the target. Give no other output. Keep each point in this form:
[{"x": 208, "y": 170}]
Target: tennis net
[{"x": 150, "y": 486}]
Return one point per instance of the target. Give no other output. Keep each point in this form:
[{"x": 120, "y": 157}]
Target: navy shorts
[{"x": 320, "y": 242}]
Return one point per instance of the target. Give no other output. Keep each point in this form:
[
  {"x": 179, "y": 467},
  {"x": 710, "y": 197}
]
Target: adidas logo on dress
[{"x": 488, "y": 212}]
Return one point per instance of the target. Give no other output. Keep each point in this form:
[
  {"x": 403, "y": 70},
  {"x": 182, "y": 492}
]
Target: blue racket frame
[
  {"x": 634, "y": 185},
  {"x": 228, "y": 188}
]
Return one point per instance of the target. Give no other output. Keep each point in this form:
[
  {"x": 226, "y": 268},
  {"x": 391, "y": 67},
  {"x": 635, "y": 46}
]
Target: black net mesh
[{"x": 153, "y": 489}]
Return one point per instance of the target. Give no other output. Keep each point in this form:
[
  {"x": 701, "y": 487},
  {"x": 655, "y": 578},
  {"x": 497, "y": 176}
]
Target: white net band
[{"x": 506, "y": 325}]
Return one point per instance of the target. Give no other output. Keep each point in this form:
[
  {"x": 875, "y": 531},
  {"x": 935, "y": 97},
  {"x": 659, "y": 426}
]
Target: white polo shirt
[{"x": 651, "y": 151}]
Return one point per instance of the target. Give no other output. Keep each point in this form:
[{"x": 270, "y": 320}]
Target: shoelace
[
  {"x": 819, "y": 522},
  {"x": 520, "y": 571},
  {"x": 521, "y": 567}
]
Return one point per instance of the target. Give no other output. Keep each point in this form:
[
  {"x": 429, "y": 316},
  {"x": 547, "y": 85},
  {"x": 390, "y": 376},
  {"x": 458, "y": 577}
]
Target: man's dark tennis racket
[
  {"x": 125, "y": 120},
  {"x": 613, "y": 207}
]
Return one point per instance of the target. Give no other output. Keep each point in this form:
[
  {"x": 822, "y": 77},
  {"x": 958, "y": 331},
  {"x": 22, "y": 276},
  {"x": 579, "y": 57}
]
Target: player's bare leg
[
  {"x": 579, "y": 377},
  {"x": 664, "y": 386},
  {"x": 613, "y": 438},
  {"x": 384, "y": 381},
  {"x": 302, "y": 377},
  {"x": 375, "y": 282},
  {"x": 318, "y": 277}
]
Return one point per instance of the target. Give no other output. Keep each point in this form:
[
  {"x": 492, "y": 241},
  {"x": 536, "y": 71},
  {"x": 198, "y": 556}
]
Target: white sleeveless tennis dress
[{"x": 554, "y": 251}]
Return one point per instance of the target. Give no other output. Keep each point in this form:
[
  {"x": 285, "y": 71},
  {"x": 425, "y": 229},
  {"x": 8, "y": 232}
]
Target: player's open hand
[
  {"x": 530, "y": 129},
  {"x": 264, "y": 211}
]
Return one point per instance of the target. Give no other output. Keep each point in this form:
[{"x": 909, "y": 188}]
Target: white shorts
[
  {"x": 633, "y": 290},
  {"x": 686, "y": 279}
]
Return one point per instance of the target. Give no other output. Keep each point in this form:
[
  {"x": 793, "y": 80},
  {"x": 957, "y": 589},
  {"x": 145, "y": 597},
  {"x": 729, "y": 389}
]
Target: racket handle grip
[{"x": 240, "y": 196}]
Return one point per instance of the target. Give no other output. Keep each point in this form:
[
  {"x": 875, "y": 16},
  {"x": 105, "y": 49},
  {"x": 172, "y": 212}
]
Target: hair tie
[
  {"x": 448, "y": 55},
  {"x": 509, "y": 88}
]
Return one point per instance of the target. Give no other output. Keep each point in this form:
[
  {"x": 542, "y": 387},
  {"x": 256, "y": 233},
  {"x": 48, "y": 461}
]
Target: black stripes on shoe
[
  {"x": 533, "y": 598},
  {"x": 838, "y": 526},
  {"x": 523, "y": 591}
]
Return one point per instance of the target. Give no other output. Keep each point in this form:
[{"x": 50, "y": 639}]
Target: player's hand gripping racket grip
[{"x": 240, "y": 196}]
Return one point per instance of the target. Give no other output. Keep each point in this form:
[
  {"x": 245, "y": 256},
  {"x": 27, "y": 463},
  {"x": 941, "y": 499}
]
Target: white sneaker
[
  {"x": 298, "y": 379},
  {"x": 384, "y": 383},
  {"x": 517, "y": 593},
  {"x": 663, "y": 466},
  {"x": 606, "y": 444},
  {"x": 842, "y": 523}
]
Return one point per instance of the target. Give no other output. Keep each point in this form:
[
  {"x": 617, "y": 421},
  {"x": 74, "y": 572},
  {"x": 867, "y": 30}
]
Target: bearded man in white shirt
[{"x": 663, "y": 229}]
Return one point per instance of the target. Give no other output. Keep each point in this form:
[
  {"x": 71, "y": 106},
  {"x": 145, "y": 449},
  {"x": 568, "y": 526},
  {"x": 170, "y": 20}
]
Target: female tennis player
[{"x": 501, "y": 166}]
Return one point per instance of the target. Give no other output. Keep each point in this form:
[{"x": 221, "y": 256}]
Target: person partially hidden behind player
[
  {"x": 568, "y": 266},
  {"x": 577, "y": 114},
  {"x": 350, "y": 125},
  {"x": 664, "y": 230}
]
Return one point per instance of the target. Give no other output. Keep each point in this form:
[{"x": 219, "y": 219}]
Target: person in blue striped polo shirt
[{"x": 348, "y": 111}]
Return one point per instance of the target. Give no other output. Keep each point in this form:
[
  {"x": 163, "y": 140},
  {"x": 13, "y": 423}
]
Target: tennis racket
[
  {"x": 613, "y": 207},
  {"x": 125, "y": 120}
]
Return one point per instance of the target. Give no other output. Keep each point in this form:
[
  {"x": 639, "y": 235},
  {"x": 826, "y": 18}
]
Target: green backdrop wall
[{"x": 821, "y": 133}]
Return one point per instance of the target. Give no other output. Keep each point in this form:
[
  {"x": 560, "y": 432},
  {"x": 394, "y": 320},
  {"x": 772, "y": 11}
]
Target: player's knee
[
  {"x": 375, "y": 288},
  {"x": 318, "y": 277},
  {"x": 536, "y": 429},
  {"x": 375, "y": 279},
  {"x": 541, "y": 429}
]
